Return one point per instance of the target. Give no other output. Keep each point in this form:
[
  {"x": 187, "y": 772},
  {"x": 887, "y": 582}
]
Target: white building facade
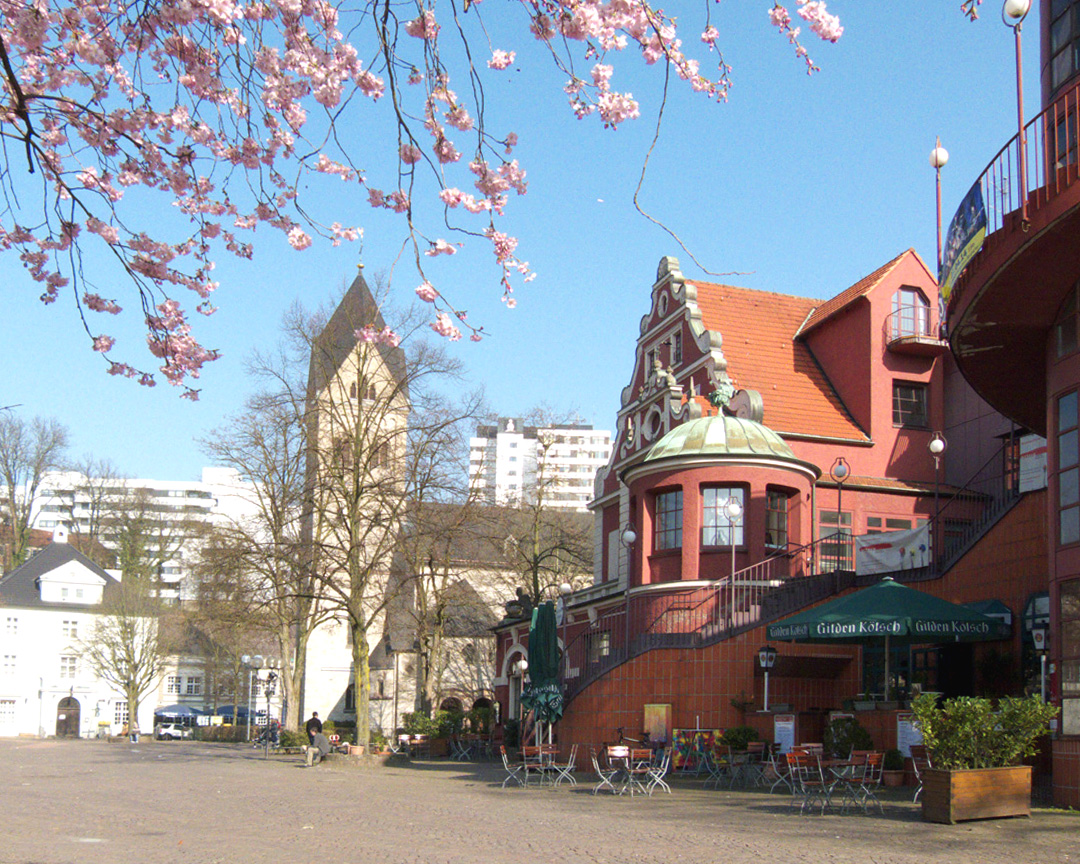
[
  {"x": 510, "y": 463},
  {"x": 47, "y": 688}
]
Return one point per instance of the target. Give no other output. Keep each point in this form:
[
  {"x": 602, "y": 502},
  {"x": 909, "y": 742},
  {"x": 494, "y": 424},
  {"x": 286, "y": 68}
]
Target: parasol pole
[{"x": 886, "y": 667}]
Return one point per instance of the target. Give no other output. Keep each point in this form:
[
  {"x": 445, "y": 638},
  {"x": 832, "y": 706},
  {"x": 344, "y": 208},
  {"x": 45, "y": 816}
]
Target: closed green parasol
[
  {"x": 889, "y": 611},
  {"x": 543, "y": 694}
]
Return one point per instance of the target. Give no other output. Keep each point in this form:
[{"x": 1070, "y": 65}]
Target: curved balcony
[
  {"x": 911, "y": 330},
  {"x": 1004, "y": 304}
]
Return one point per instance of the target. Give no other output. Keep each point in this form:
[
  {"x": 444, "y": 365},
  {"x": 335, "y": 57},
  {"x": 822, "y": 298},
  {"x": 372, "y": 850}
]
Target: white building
[
  {"x": 46, "y": 687},
  {"x": 65, "y": 498},
  {"x": 510, "y": 462}
]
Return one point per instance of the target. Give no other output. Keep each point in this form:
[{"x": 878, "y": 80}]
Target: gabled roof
[
  {"x": 335, "y": 344},
  {"x": 20, "y": 588},
  {"x": 758, "y": 330},
  {"x": 860, "y": 289}
]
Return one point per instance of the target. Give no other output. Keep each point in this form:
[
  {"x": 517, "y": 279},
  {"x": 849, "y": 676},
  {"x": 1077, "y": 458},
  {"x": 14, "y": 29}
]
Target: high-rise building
[{"x": 512, "y": 463}]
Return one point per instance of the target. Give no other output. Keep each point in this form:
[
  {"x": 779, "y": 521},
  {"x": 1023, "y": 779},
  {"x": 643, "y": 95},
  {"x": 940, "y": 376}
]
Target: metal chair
[
  {"x": 920, "y": 761},
  {"x": 658, "y": 771},
  {"x": 565, "y": 770},
  {"x": 809, "y": 781},
  {"x": 607, "y": 775},
  {"x": 512, "y": 770},
  {"x": 870, "y": 782}
]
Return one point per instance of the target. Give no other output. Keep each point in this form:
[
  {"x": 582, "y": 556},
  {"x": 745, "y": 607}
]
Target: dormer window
[{"x": 910, "y": 314}]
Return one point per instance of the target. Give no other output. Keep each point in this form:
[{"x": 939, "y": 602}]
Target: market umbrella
[
  {"x": 177, "y": 711},
  {"x": 543, "y": 694},
  {"x": 891, "y": 611}
]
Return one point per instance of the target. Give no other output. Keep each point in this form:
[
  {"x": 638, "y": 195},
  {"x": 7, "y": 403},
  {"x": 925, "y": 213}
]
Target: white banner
[{"x": 894, "y": 550}]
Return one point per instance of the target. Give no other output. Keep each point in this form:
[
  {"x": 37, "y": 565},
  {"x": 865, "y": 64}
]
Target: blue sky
[{"x": 798, "y": 184}]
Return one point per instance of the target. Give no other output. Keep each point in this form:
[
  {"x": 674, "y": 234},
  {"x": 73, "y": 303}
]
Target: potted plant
[
  {"x": 845, "y": 734},
  {"x": 738, "y": 737},
  {"x": 976, "y": 753},
  {"x": 892, "y": 768}
]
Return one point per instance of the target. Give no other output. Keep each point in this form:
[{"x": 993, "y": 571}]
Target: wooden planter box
[{"x": 976, "y": 793}]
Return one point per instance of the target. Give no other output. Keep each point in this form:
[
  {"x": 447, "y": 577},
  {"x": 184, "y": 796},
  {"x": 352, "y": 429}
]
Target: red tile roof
[
  {"x": 831, "y": 307},
  {"x": 758, "y": 330}
]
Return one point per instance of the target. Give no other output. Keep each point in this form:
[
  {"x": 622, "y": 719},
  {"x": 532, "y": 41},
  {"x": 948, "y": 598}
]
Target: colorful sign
[
  {"x": 965, "y": 237},
  {"x": 894, "y": 550}
]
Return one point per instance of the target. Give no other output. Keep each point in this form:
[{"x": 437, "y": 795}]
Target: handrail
[{"x": 1051, "y": 166}]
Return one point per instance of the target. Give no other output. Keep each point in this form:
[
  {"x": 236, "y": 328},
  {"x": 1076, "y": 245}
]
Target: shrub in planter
[
  {"x": 737, "y": 737},
  {"x": 976, "y": 754},
  {"x": 293, "y": 739},
  {"x": 418, "y": 723},
  {"x": 844, "y": 735}
]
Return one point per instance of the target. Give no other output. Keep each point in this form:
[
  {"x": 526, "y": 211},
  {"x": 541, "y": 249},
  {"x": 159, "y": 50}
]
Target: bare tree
[
  {"x": 28, "y": 451},
  {"x": 97, "y": 490},
  {"x": 126, "y": 646},
  {"x": 267, "y": 444}
]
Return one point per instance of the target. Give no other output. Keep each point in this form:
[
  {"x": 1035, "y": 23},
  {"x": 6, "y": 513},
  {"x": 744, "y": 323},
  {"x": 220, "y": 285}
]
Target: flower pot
[
  {"x": 951, "y": 796},
  {"x": 892, "y": 778}
]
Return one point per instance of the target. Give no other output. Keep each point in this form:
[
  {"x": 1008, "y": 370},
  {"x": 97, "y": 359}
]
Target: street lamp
[
  {"x": 253, "y": 664},
  {"x": 1038, "y": 636},
  {"x": 937, "y": 446},
  {"x": 1013, "y": 14},
  {"x": 767, "y": 659},
  {"x": 733, "y": 510},
  {"x": 840, "y": 471},
  {"x": 939, "y": 157},
  {"x": 629, "y": 538}
]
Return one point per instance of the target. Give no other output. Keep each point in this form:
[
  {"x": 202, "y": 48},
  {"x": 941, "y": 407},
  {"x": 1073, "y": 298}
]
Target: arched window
[{"x": 910, "y": 314}]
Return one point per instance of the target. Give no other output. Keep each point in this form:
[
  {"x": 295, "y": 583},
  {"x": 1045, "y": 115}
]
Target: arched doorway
[{"x": 67, "y": 717}]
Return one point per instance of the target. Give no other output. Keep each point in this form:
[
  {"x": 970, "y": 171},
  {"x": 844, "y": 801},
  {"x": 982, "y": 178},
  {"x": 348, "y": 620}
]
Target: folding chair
[
  {"x": 811, "y": 787},
  {"x": 920, "y": 761},
  {"x": 781, "y": 771},
  {"x": 870, "y": 782},
  {"x": 606, "y": 775},
  {"x": 717, "y": 765},
  {"x": 565, "y": 770},
  {"x": 638, "y": 763},
  {"x": 657, "y": 771},
  {"x": 512, "y": 771}
]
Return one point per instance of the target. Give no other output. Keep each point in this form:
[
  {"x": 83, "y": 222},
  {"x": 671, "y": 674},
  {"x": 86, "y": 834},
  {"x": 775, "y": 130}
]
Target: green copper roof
[{"x": 720, "y": 435}]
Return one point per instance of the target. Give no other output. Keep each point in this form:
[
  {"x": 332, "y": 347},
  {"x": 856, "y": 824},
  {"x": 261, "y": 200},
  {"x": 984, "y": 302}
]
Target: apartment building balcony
[{"x": 1003, "y": 307}]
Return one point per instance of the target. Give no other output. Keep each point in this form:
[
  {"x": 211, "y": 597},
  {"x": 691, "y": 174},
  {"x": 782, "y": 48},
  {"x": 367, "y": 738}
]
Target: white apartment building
[
  {"x": 510, "y": 461},
  {"x": 220, "y": 497}
]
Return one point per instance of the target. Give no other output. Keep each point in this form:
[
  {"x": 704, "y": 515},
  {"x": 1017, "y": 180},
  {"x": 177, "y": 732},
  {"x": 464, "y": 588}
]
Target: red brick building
[{"x": 816, "y": 417}]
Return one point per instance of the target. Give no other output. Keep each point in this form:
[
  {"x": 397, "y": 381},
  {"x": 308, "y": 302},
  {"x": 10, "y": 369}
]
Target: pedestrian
[
  {"x": 134, "y": 729},
  {"x": 313, "y": 727},
  {"x": 317, "y": 750}
]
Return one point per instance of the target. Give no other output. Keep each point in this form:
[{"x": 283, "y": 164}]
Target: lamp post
[
  {"x": 939, "y": 157},
  {"x": 629, "y": 538},
  {"x": 733, "y": 510},
  {"x": 565, "y": 590},
  {"x": 839, "y": 472},
  {"x": 937, "y": 447},
  {"x": 767, "y": 659},
  {"x": 1038, "y": 636},
  {"x": 271, "y": 682},
  {"x": 1013, "y": 13},
  {"x": 253, "y": 664}
]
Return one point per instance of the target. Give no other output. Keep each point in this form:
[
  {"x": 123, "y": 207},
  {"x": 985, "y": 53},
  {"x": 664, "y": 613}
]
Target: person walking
[{"x": 313, "y": 727}]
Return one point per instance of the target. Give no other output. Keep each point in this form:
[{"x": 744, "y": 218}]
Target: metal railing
[
  {"x": 911, "y": 322},
  {"x": 1050, "y": 161}
]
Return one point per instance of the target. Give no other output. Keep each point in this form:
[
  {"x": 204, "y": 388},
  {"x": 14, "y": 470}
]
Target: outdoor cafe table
[
  {"x": 633, "y": 765},
  {"x": 540, "y": 762},
  {"x": 844, "y": 775}
]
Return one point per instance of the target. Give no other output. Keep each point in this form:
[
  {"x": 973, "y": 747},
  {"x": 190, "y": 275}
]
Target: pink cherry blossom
[
  {"x": 445, "y": 327},
  {"x": 500, "y": 59},
  {"x": 427, "y": 293}
]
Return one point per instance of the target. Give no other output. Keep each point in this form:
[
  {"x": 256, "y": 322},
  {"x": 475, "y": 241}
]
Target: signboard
[
  {"x": 1032, "y": 463},
  {"x": 784, "y": 731},
  {"x": 894, "y": 550},
  {"x": 907, "y": 732},
  {"x": 964, "y": 238}
]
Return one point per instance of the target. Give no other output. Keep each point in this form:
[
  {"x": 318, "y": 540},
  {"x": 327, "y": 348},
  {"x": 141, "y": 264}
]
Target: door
[{"x": 67, "y": 718}]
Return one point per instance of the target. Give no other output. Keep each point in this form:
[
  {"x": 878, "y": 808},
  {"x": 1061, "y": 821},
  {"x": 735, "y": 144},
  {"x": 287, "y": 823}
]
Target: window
[
  {"x": 910, "y": 314},
  {"x": 11, "y": 626},
  {"x": 120, "y": 713},
  {"x": 1069, "y": 600},
  {"x": 716, "y": 527},
  {"x": 1068, "y": 468},
  {"x": 669, "y": 520},
  {"x": 776, "y": 519},
  {"x": 68, "y": 664},
  {"x": 70, "y": 629},
  {"x": 194, "y": 685},
  {"x": 64, "y": 593},
  {"x": 7, "y": 712},
  {"x": 172, "y": 684},
  {"x": 836, "y": 546},
  {"x": 352, "y": 390},
  {"x": 1064, "y": 41},
  {"x": 7, "y": 665},
  {"x": 350, "y": 699},
  {"x": 676, "y": 349},
  {"x": 599, "y": 645},
  {"x": 909, "y": 404}
]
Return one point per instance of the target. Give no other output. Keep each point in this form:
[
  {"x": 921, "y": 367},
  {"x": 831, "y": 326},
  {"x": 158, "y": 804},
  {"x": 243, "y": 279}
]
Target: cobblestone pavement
[{"x": 163, "y": 802}]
